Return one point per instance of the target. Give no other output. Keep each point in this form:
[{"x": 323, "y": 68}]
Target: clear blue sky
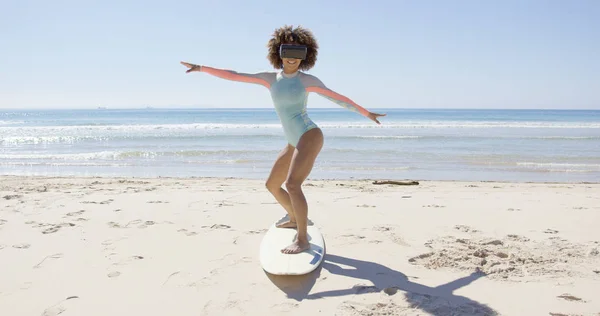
[{"x": 381, "y": 54}]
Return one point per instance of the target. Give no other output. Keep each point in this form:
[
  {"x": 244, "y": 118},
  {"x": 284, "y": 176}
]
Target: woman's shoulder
[
  {"x": 309, "y": 79},
  {"x": 269, "y": 76}
]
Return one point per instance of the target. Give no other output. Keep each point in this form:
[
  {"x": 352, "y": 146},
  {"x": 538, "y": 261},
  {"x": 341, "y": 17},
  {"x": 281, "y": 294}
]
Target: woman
[{"x": 292, "y": 49}]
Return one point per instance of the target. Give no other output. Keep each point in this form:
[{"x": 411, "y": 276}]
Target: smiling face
[{"x": 290, "y": 65}]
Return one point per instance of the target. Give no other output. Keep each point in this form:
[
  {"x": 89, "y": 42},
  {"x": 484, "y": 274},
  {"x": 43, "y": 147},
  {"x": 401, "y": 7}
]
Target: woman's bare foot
[
  {"x": 288, "y": 224},
  {"x": 297, "y": 247}
]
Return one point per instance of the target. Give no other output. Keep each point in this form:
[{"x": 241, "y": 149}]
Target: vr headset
[{"x": 293, "y": 51}]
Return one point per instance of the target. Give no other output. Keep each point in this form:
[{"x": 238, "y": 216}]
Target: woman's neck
[{"x": 288, "y": 74}]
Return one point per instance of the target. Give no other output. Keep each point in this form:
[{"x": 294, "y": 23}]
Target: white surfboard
[{"x": 275, "y": 239}]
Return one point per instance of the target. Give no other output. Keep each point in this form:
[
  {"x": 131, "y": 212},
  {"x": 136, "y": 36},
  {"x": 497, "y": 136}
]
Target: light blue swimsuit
[{"x": 290, "y": 95}]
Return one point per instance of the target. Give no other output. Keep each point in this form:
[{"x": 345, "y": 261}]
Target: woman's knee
[
  {"x": 273, "y": 185},
  {"x": 293, "y": 185}
]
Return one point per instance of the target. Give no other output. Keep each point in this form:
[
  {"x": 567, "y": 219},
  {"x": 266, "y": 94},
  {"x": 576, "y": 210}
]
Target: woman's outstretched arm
[
  {"x": 261, "y": 78},
  {"x": 314, "y": 84}
]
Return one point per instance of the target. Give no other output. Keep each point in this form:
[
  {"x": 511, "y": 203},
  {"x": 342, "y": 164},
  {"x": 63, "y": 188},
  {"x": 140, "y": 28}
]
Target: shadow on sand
[
  {"x": 439, "y": 300},
  {"x": 296, "y": 287}
]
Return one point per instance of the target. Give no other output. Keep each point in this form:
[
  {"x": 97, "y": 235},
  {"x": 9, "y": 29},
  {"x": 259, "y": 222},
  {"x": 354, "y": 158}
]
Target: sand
[{"x": 167, "y": 246}]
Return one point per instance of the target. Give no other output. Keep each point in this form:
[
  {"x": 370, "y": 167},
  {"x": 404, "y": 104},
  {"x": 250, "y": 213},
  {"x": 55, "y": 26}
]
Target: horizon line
[{"x": 272, "y": 108}]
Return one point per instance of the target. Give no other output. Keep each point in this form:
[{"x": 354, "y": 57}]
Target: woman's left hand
[
  {"x": 373, "y": 116},
  {"x": 192, "y": 67}
]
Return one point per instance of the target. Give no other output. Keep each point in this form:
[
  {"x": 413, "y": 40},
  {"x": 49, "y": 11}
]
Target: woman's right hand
[
  {"x": 374, "y": 116},
  {"x": 192, "y": 67}
]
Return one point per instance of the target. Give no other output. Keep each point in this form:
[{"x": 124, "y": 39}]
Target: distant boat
[{"x": 101, "y": 108}]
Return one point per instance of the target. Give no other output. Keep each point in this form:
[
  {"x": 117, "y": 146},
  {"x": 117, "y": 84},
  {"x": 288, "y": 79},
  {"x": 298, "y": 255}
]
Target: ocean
[{"x": 415, "y": 144}]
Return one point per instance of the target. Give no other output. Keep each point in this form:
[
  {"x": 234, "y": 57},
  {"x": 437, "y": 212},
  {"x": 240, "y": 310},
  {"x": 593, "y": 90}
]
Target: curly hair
[{"x": 288, "y": 35}]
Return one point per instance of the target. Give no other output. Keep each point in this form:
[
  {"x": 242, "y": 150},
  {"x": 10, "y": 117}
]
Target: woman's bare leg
[
  {"x": 277, "y": 178},
  {"x": 304, "y": 157}
]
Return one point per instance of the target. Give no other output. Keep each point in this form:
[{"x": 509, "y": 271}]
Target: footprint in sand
[
  {"x": 284, "y": 307},
  {"x": 217, "y": 226},
  {"x": 133, "y": 222},
  {"x": 12, "y": 196},
  {"x": 550, "y": 231},
  {"x": 514, "y": 237},
  {"x": 56, "y": 227},
  {"x": 377, "y": 309},
  {"x": 124, "y": 261},
  {"x": 178, "y": 277},
  {"x": 146, "y": 224},
  {"x": 94, "y": 202},
  {"x": 186, "y": 232},
  {"x": 434, "y": 205},
  {"x": 54, "y": 256},
  {"x": 57, "y": 308},
  {"x": 186, "y": 279},
  {"x": 3, "y": 221},
  {"x": 361, "y": 289},
  {"x": 109, "y": 244},
  {"x": 571, "y": 298},
  {"x": 355, "y": 238},
  {"x": 514, "y": 209},
  {"x": 382, "y": 228},
  {"x": 21, "y": 246},
  {"x": 157, "y": 202},
  {"x": 75, "y": 213},
  {"x": 421, "y": 256},
  {"x": 389, "y": 231},
  {"x": 398, "y": 240},
  {"x": 113, "y": 225},
  {"x": 255, "y": 232},
  {"x": 114, "y": 274},
  {"x": 365, "y": 205},
  {"x": 465, "y": 229}
]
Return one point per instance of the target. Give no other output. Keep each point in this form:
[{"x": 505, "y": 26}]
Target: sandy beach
[{"x": 168, "y": 246}]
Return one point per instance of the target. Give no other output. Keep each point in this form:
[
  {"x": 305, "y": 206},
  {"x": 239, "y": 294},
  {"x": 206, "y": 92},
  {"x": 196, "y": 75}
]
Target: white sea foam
[
  {"x": 20, "y": 140},
  {"x": 562, "y": 137},
  {"x": 555, "y": 166},
  {"x": 120, "y": 155},
  {"x": 63, "y": 164},
  {"x": 106, "y": 155},
  {"x": 2, "y": 122},
  {"x": 45, "y": 130},
  {"x": 389, "y": 136},
  {"x": 72, "y": 139}
]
